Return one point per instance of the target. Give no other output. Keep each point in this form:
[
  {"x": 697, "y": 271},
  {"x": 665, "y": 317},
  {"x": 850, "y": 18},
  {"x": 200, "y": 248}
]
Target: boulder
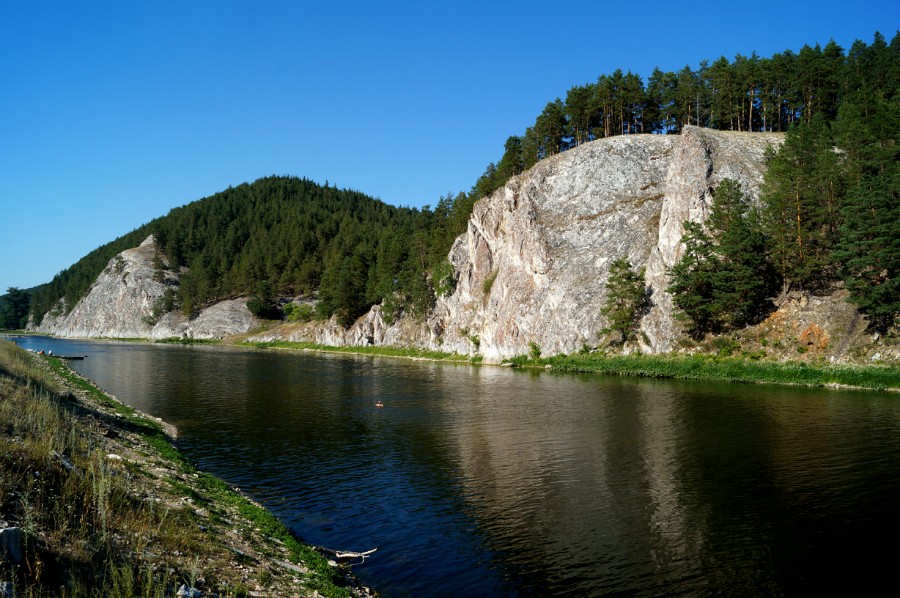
[{"x": 11, "y": 545}]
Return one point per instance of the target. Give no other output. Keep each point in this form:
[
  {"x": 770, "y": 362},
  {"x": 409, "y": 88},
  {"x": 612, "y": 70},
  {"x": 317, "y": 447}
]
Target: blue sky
[{"x": 113, "y": 113}]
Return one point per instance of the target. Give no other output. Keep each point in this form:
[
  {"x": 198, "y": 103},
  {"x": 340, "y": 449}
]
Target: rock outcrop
[
  {"x": 120, "y": 304},
  {"x": 117, "y": 302},
  {"x": 702, "y": 160},
  {"x": 530, "y": 270},
  {"x": 11, "y": 541},
  {"x": 532, "y": 266},
  {"x": 217, "y": 321}
]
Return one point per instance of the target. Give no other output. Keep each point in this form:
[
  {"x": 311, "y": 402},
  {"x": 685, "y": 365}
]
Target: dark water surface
[{"x": 476, "y": 481}]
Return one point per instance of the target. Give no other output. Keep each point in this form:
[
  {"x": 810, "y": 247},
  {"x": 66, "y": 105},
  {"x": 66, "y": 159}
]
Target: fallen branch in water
[{"x": 345, "y": 555}]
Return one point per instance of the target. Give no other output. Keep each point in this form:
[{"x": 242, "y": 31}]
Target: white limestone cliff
[
  {"x": 547, "y": 240},
  {"x": 549, "y": 236},
  {"x": 122, "y": 298},
  {"x": 703, "y": 158},
  {"x": 530, "y": 270}
]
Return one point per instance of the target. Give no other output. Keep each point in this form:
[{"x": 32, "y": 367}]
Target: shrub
[{"x": 299, "y": 312}]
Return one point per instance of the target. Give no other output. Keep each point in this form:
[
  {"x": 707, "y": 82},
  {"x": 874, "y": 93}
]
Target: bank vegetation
[{"x": 96, "y": 501}]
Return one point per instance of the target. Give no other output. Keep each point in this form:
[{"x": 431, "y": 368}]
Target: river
[{"x": 485, "y": 481}]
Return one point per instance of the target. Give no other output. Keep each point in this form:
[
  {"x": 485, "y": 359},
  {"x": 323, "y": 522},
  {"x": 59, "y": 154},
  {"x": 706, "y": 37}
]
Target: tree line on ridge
[{"x": 828, "y": 214}]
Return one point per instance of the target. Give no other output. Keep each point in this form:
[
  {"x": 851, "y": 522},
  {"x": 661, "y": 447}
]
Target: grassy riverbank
[
  {"x": 715, "y": 368},
  {"x": 747, "y": 368},
  {"x": 108, "y": 507},
  {"x": 725, "y": 369}
]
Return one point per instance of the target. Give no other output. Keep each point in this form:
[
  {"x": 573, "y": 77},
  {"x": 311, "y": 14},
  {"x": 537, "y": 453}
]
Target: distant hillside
[
  {"x": 827, "y": 217},
  {"x": 286, "y": 236}
]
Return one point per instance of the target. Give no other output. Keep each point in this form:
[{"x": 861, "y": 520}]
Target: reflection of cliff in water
[{"x": 576, "y": 470}]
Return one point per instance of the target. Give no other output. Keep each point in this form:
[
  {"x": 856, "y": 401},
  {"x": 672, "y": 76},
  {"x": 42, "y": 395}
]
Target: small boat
[
  {"x": 69, "y": 357},
  {"x": 379, "y": 404}
]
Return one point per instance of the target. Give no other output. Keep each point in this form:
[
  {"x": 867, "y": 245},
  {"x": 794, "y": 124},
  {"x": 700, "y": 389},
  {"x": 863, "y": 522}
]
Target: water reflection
[{"x": 485, "y": 481}]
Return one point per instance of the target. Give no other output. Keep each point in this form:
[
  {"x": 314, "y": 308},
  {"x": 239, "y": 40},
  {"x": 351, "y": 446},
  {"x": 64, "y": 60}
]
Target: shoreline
[
  {"x": 149, "y": 518},
  {"x": 699, "y": 366}
]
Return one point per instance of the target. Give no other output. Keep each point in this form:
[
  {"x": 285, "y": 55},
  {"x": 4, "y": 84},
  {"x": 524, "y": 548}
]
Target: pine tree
[
  {"x": 14, "y": 309},
  {"x": 626, "y": 298},
  {"x": 692, "y": 281},
  {"x": 870, "y": 246},
  {"x": 262, "y": 302},
  {"x": 744, "y": 278},
  {"x": 801, "y": 194},
  {"x": 723, "y": 280}
]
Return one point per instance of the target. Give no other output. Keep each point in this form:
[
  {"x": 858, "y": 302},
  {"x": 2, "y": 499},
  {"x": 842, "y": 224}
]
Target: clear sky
[{"x": 112, "y": 113}]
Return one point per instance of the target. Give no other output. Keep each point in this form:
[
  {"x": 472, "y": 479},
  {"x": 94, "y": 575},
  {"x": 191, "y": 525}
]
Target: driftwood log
[{"x": 345, "y": 555}]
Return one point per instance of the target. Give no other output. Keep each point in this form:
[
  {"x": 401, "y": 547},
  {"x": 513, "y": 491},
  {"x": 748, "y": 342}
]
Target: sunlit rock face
[
  {"x": 117, "y": 301},
  {"x": 546, "y": 240},
  {"x": 217, "y": 321},
  {"x": 530, "y": 270},
  {"x": 702, "y": 159},
  {"x": 533, "y": 263},
  {"x": 121, "y": 300}
]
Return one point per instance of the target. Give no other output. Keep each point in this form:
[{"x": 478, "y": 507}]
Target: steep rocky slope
[
  {"x": 532, "y": 266},
  {"x": 547, "y": 238},
  {"x": 530, "y": 270},
  {"x": 123, "y": 296},
  {"x": 702, "y": 160}
]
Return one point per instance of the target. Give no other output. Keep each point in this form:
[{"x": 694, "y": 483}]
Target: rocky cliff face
[
  {"x": 530, "y": 270},
  {"x": 123, "y": 296},
  {"x": 702, "y": 159},
  {"x": 533, "y": 265}
]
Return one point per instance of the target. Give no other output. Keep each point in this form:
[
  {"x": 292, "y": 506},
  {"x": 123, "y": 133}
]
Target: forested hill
[
  {"x": 288, "y": 236},
  {"x": 298, "y": 237},
  {"x": 828, "y": 215},
  {"x": 748, "y": 93}
]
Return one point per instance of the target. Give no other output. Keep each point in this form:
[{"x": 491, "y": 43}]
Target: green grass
[
  {"x": 57, "y": 484},
  {"x": 98, "y": 534},
  {"x": 720, "y": 367},
  {"x": 385, "y": 351},
  {"x": 74, "y": 380},
  {"x": 725, "y": 369}
]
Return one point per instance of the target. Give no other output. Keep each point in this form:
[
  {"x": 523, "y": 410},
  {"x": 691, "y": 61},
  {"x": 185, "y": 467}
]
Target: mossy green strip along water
[{"x": 688, "y": 367}]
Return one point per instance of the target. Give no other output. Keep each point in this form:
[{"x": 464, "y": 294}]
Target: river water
[{"x": 485, "y": 481}]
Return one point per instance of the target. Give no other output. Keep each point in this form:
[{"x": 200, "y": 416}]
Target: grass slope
[{"x": 110, "y": 508}]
